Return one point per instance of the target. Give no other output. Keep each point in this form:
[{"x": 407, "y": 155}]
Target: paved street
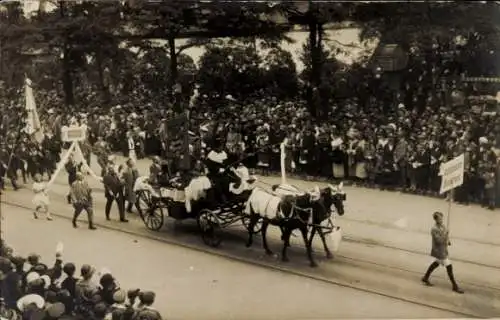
[
  {"x": 194, "y": 285},
  {"x": 385, "y": 249}
]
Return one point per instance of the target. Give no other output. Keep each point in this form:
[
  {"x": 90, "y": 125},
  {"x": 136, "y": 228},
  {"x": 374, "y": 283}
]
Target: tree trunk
[
  {"x": 315, "y": 77},
  {"x": 174, "y": 74},
  {"x": 1, "y": 57},
  {"x": 102, "y": 85},
  {"x": 67, "y": 77},
  {"x": 69, "y": 97}
]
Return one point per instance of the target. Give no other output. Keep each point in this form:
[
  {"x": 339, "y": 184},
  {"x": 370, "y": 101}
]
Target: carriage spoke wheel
[
  {"x": 145, "y": 202},
  {"x": 153, "y": 218},
  {"x": 209, "y": 227},
  {"x": 246, "y": 222}
]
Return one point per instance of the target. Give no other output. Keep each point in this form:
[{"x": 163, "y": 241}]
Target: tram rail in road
[
  {"x": 390, "y": 228},
  {"x": 347, "y": 272}
]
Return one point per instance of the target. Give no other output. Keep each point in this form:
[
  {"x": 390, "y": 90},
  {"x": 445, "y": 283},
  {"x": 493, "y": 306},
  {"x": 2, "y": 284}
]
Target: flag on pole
[{"x": 33, "y": 125}]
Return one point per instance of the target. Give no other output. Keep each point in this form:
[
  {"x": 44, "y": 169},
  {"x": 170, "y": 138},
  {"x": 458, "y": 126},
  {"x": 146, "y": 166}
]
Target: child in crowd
[{"x": 40, "y": 199}]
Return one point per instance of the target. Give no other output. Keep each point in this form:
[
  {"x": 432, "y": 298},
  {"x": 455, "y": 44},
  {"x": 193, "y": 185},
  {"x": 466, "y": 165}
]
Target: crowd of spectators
[
  {"x": 396, "y": 149},
  {"x": 32, "y": 290},
  {"x": 395, "y": 142}
]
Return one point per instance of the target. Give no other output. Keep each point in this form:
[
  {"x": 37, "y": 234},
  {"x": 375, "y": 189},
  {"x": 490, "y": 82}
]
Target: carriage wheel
[
  {"x": 153, "y": 218},
  {"x": 209, "y": 227},
  {"x": 144, "y": 202},
  {"x": 246, "y": 223}
]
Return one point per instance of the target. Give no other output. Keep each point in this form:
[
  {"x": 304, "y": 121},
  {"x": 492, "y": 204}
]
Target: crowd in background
[
  {"x": 390, "y": 148},
  {"x": 31, "y": 289}
]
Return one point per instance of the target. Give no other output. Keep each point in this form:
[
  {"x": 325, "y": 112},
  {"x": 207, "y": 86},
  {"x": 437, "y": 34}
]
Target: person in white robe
[{"x": 40, "y": 199}]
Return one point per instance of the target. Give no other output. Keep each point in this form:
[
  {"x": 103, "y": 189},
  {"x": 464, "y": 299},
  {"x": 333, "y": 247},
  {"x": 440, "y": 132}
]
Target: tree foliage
[
  {"x": 469, "y": 28},
  {"x": 233, "y": 70},
  {"x": 13, "y": 36},
  {"x": 280, "y": 74}
]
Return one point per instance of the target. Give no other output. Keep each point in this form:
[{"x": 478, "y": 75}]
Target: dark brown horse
[
  {"x": 288, "y": 212},
  {"x": 291, "y": 212},
  {"x": 333, "y": 198}
]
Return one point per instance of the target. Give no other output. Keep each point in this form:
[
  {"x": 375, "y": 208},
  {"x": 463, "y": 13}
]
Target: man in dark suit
[
  {"x": 113, "y": 191},
  {"x": 71, "y": 168},
  {"x": 130, "y": 175},
  {"x": 81, "y": 198}
]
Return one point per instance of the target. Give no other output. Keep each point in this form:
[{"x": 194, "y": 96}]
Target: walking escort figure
[
  {"x": 81, "y": 198},
  {"x": 440, "y": 243},
  {"x": 40, "y": 198}
]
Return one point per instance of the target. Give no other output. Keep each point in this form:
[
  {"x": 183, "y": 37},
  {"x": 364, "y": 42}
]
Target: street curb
[{"x": 276, "y": 268}]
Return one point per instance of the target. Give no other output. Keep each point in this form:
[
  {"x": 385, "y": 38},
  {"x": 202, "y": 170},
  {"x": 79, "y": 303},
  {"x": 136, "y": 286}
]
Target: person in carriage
[{"x": 216, "y": 163}]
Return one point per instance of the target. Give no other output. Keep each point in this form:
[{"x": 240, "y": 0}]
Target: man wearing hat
[
  {"x": 130, "y": 175},
  {"x": 86, "y": 283},
  {"x": 216, "y": 163},
  {"x": 10, "y": 284},
  {"x": 119, "y": 307},
  {"x": 71, "y": 168},
  {"x": 81, "y": 197},
  {"x": 54, "y": 311},
  {"x": 440, "y": 243},
  {"x": 155, "y": 170},
  {"x": 113, "y": 191},
  {"x": 102, "y": 151},
  {"x": 145, "y": 309}
]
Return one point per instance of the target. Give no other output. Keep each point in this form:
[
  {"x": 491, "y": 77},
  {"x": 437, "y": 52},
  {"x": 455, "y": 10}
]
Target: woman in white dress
[{"x": 40, "y": 199}]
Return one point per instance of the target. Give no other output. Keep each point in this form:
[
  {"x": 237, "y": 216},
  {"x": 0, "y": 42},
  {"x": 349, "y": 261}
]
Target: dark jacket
[
  {"x": 71, "y": 168},
  {"x": 112, "y": 184},
  {"x": 11, "y": 289}
]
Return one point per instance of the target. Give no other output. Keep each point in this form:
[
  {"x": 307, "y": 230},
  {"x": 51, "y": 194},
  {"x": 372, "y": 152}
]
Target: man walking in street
[
  {"x": 81, "y": 198},
  {"x": 440, "y": 243},
  {"x": 113, "y": 191},
  {"x": 71, "y": 168},
  {"x": 130, "y": 175}
]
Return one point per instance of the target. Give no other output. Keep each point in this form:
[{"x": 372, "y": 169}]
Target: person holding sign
[{"x": 440, "y": 243}]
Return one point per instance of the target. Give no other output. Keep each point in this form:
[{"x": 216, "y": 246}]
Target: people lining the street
[
  {"x": 31, "y": 290},
  {"x": 392, "y": 145}
]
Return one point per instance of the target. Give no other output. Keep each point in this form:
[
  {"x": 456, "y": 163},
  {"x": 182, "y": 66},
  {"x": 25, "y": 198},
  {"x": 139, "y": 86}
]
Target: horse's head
[{"x": 334, "y": 196}]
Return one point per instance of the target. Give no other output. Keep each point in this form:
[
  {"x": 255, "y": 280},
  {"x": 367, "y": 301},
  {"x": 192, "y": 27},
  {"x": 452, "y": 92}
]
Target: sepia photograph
[{"x": 249, "y": 160}]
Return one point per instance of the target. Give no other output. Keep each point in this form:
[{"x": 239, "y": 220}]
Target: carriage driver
[{"x": 216, "y": 163}]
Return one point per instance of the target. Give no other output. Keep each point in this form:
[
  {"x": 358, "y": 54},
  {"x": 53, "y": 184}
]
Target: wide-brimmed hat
[
  {"x": 147, "y": 297},
  {"x": 119, "y": 296},
  {"x": 56, "y": 310},
  {"x": 87, "y": 271},
  {"x": 32, "y": 276},
  {"x": 29, "y": 299}
]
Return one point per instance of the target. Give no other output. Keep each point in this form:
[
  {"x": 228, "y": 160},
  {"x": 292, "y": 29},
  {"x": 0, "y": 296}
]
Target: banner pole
[
  {"x": 450, "y": 201},
  {"x": 282, "y": 160}
]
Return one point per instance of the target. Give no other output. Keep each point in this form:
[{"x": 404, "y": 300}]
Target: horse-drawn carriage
[
  {"x": 192, "y": 202},
  {"x": 286, "y": 207}
]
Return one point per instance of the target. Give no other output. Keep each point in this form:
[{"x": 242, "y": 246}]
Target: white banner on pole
[
  {"x": 33, "y": 125},
  {"x": 452, "y": 174},
  {"x": 283, "y": 162}
]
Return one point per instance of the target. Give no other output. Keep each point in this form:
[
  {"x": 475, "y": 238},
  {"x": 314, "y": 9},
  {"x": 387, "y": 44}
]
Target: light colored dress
[{"x": 40, "y": 198}]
